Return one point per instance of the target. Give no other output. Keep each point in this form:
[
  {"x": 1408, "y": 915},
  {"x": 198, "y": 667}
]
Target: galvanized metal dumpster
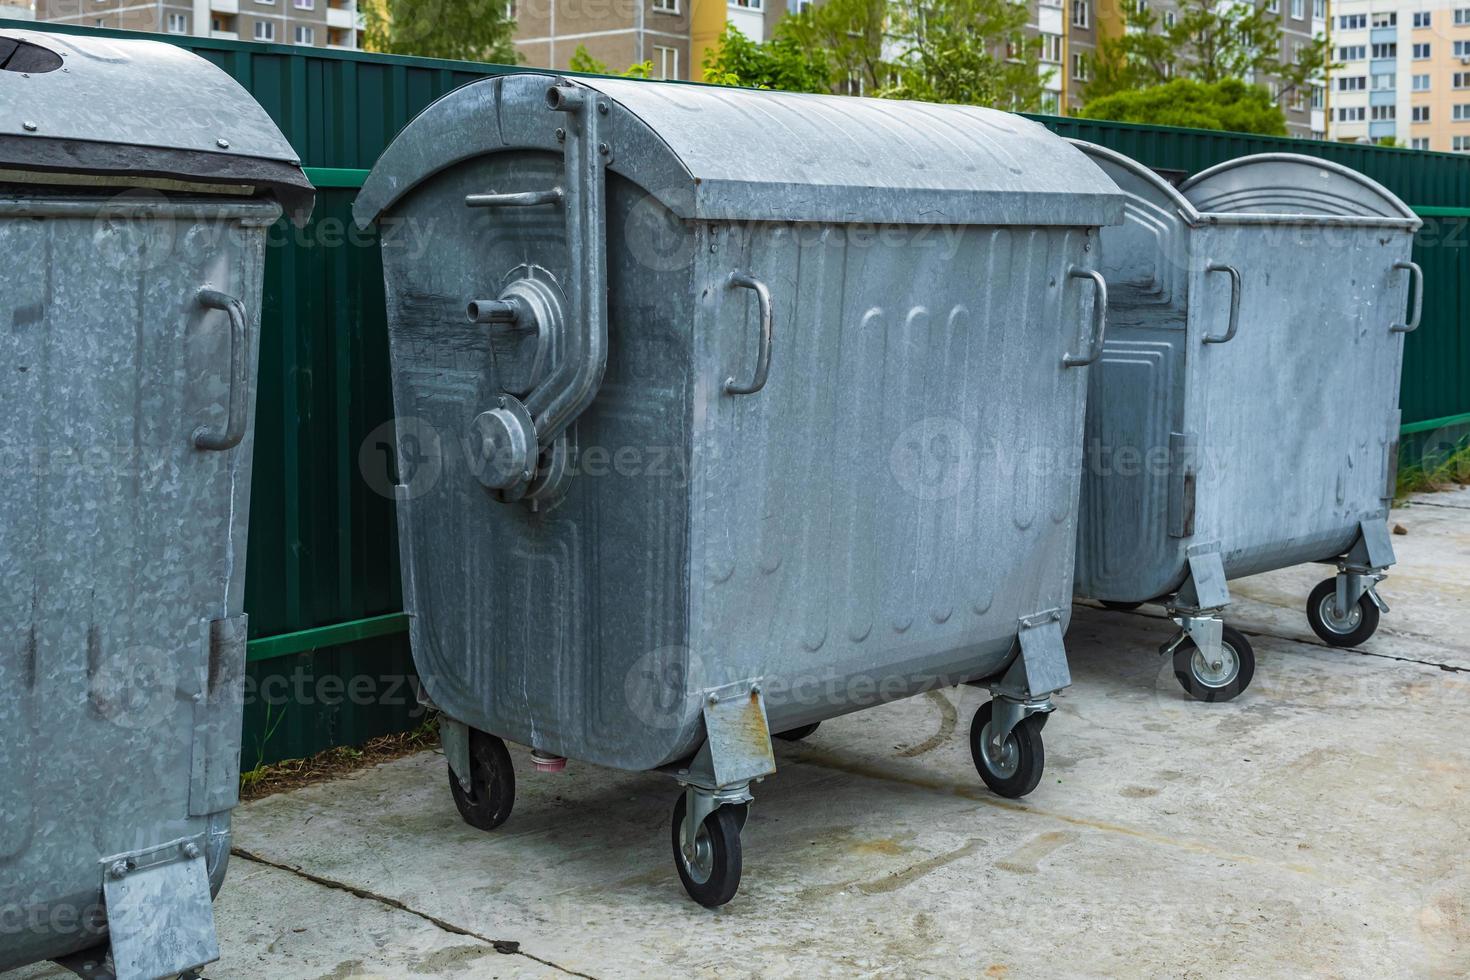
[
  {"x": 138, "y": 183},
  {"x": 1244, "y": 414},
  {"x": 765, "y": 409}
]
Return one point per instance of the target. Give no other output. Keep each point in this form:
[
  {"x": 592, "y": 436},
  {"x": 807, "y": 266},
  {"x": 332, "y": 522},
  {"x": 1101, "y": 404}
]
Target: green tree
[
  {"x": 966, "y": 51},
  {"x": 1209, "y": 41},
  {"x": 467, "y": 30},
  {"x": 850, "y": 33},
  {"x": 781, "y": 63},
  {"x": 1229, "y": 104},
  {"x": 581, "y": 60}
]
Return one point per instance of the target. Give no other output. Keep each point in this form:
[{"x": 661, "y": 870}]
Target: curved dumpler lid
[{"x": 716, "y": 153}]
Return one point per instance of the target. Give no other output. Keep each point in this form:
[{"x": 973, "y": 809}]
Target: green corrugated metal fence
[{"x": 329, "y": 658}]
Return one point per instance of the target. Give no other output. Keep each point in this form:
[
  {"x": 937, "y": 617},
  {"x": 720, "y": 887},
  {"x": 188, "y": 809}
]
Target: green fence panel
[{"x": 323, "y": 582}]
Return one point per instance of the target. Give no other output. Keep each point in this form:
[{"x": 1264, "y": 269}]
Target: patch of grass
[
  {"x": 289, "y": 774},
  {"x": 1439, "y": 473}
]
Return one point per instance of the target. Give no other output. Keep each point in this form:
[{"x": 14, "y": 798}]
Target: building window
[
  {"x": 1460, "y": 80},
  {"x": 1419, "y": 113},
  {"x": 1169, "y": 20},
  {"x": 1420, "y": 83},
  {"x": 178, "y": 23},
  {"x": 666, "y": 6},
  {"x": 1382, "y": 113},
  {"x": 1462, "y": 49},
  {"x": 1419, "y": 143},
  {"x": 1352, "y": 83},
  {"x": 748, "y": 4},
  {"x": 1299, "y": 9},
  {"x": 305, "y": 35},
  {"x": 1352, "y": 52},
  {"x": 1079, "y": 67},
  {"x": 1385, "y": 82},
  {"x": 1421, "y": 18},
  {"x": 304, "y": 4},
  {"x": 1389, "y": 50},
  {"x": 1460, "y": 112},
  {"x": 1352, "y": 22},
  {"x": 265, "y": 30},
  {"x": 1462, "y": 16},
  {"x": 1273, "y": 6},
  {"x": 1081, "y": 13},
  {"x": 1050, "y": 103},
  {"x": 1421, "y": 52},
  {"x": 1319, "y": 97},
  {"x": 1319, "y": 9},
  {"x": 1051, "y": 48},
  {"x": 1385, "y": 18},
  {"x": 1352, "y": 113},
  {"x": 667, "y": 60},
  {"x": 1461, "y": 144}
]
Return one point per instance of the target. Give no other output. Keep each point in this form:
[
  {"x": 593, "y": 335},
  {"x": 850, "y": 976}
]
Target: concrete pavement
[{"x": 1317, "y": 826}]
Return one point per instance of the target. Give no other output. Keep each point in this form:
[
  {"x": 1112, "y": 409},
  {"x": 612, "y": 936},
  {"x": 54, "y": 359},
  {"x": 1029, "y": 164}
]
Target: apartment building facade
[
  {"x": 673, "y": 34},
  {"x": 1405, "y": 74},
  {"x": 316, "y": 23}
]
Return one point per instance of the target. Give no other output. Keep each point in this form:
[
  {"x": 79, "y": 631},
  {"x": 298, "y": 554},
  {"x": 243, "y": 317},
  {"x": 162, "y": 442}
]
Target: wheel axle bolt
[{"x": 1215, "y": 666}]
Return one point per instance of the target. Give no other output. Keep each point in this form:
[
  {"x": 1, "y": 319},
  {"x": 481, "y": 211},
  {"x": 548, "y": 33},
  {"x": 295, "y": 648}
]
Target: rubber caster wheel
[
  {"x": 1356, "y": 627},
  {"x": 1221, "y": 680},
  {"x": 1120, "y": 606},
  {"x": 492, "y": 792},
  {"x": 711, "y": 875},
  {"x": 1017, "y": 770},
  {"x": 797, "y": 734}
]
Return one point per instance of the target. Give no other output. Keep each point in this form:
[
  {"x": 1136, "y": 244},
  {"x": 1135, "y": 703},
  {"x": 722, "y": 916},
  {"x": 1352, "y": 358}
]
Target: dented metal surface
[
  {"x": 874, "y": 521},
  {"x": 1269, "y": 440},
  {"x": 132, "y": 325}
]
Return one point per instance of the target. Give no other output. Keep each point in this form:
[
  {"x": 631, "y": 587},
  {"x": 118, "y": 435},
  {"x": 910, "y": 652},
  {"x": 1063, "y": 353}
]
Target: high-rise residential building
[
  {"x": 673, "y": 34},
  {"x": 1405, "y": 73},
  {"x": 318, "y": 23}
]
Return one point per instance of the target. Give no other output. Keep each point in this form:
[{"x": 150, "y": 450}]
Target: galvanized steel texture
[
  {"x": 323, "y": 546},
  {"x": 1272, "y": 439},
  {"x": 874, "y": 519}
]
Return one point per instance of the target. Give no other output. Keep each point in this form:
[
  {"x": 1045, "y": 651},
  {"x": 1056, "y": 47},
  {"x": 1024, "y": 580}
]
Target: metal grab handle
[
  {"x": 204, "y": 437},
  {"x": 744, "y": 280},
  {"x": 1234, "y": 324},
  {"x": 1099, "y": 316},
  {"x": 1416, "y": 283},
  {"x": 521, "y": 199}
]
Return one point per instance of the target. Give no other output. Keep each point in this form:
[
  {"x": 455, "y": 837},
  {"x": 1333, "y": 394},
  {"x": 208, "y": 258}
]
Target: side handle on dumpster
[
  {"x": 1099, "y": 317},
  {"x": 744, "y": 280},
  {"x": 204, "y": 436},
  {"x": 1234, "y": 323},
  {"x": 1416, "y": 283}
]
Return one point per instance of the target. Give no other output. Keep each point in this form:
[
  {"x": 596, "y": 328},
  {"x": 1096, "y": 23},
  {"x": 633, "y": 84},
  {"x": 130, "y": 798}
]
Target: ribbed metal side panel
[
  {"x": 900, "y": 493},
  {"x": 119, "y": 545}
]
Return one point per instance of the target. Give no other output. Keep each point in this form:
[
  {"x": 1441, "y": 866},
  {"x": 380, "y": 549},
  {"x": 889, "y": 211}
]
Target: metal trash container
[
  {"x": 735, "y": 435},
  {"x": 138, "y": 184},
  {"x": 1245, "y": 416}
]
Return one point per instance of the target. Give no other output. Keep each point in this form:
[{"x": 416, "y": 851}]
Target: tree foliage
[
  {"x": 850, "y": 34},
  {"x": 781, "y": 63},
  {"x": 1229, "y": 104},
  {"x": 1209, "y": 41},
  {"x": 967, "y": 51},
  {"x": 466, "y": 30},
  {"x": 963, "y": 51}
]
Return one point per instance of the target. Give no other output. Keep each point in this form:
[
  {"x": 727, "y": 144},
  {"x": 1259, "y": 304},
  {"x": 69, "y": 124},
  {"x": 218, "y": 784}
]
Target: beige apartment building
[
  {"x": 1405, "y": 75},
  {"x": 316, "y": 23}
]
